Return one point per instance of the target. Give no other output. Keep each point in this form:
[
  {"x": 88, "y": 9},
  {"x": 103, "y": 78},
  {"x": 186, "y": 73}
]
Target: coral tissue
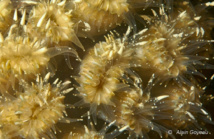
[{"x": 104, "y": 69}]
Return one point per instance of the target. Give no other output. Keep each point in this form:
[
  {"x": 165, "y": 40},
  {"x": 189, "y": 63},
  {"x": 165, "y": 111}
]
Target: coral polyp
[
  {"x": 101, "y": 70},
  {"x": 168, "y": 48},
  {"x": 186, "y": 106},
  {"x": 50, "y": 19},
  {"x": 31, "y": 61},
  {"x": 36, "y": 109},
  {"x": 138, "y": 113},
  {"x": 19, "y": 61},
  {"x": 99, "y": 15},
  {"x": 96, "y": 85}
]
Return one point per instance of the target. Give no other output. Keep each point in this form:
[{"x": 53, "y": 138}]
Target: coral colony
[{"x": 104, "y": 69}]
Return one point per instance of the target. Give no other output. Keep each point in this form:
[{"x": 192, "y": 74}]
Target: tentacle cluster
[
  {"x": 35, "y": 110},
  {"x": 53, "y": 21},
  {"x": 99, "y": 16},
  {"x": 101, "y": 70},
  {"x": 169, "y": 47}
]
